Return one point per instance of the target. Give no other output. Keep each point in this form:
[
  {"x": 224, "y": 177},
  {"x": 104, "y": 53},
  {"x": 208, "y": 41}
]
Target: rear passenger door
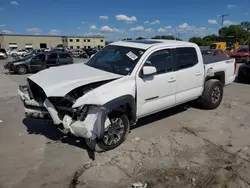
[
  {"x": 189, "y": 74},
  {"x": 65, "y": 58},
  {"x": 52, "y": 60}
]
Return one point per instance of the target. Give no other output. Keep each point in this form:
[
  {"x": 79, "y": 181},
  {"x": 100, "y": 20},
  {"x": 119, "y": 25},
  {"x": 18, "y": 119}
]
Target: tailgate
[{"x": 226, "y": 67}]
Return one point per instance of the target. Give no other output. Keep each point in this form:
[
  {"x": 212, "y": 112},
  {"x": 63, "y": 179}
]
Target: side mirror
[{"x": 148, "y": 70}]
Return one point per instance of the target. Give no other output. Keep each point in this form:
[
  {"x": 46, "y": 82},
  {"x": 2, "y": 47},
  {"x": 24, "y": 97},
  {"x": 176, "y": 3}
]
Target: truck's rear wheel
[
  {"x": 114, "y": 136},
  {"x": 212, "y": 94}
]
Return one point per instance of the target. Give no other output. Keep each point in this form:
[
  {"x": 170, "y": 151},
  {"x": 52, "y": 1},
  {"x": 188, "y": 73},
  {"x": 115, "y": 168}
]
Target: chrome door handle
[
  {"x": 171, "y": 80},
  {"x": 198, "y": 74}
]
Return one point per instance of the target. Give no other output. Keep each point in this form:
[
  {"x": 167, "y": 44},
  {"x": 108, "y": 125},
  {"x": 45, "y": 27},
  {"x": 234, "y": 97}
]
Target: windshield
[
  {"x": 28, "y": 56},
  {"x": 116, "y": 59}
]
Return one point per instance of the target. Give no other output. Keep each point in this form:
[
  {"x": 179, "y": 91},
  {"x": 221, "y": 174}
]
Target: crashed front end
[{"x": 88, "y": 121}]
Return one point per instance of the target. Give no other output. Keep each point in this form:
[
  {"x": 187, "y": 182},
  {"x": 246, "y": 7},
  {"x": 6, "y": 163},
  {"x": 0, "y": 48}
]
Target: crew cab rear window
[{"x": 186, "y": 57}]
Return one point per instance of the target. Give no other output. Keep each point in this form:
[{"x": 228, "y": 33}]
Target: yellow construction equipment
[{"x": 227, "y": 44}]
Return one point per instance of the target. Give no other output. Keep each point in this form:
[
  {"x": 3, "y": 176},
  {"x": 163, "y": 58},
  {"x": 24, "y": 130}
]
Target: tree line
[{"x": 239, "y": 33}]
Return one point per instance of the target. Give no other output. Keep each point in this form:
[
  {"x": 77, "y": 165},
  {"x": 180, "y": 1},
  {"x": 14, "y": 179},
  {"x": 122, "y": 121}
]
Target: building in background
[{"x": 10, "y": 41}]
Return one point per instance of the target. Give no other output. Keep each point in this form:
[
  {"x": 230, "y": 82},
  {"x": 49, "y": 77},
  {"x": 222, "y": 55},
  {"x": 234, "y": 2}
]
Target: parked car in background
[
  {"x": 39, "y": 62},
  {"x": 10, "y": 52},
  {"x": 90, "y": 51},
  {"x": 101, "y": 99},
  {"x": 3, "y": 53},
  {"x": 20, "y": 52},
  {"x": 242, "y": 55}
]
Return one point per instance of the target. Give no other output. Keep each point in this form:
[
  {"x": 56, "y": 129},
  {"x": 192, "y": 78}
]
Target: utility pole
[{"x": 222, "y": 16}]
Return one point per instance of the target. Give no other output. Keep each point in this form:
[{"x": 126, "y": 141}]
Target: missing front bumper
[
  {"x": 37, "y": 110},
  {"x": 92, "y": 127}
]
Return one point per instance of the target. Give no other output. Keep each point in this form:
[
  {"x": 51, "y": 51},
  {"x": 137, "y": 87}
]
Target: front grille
[
  {"x": 62, "y": 106},
  {"x": 36, "y": 92}
]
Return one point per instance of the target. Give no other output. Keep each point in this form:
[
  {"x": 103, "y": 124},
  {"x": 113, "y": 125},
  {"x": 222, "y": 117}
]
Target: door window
[
  {"x": 186, "y": 57},
  {"x": 52, "y": 56},
  {"x": 40, "y": 57},
  {"x": 162, "y": 60},
  {"x": 64, "y": 56}
]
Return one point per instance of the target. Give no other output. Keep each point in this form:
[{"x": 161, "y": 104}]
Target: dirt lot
[{"x": 180, "y": 147}]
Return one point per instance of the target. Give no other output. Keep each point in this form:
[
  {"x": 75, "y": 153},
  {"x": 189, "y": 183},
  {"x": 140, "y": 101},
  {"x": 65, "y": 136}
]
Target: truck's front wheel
[
  {"x": 212, "y": 94},
  {"x": 115, "y": 134}
]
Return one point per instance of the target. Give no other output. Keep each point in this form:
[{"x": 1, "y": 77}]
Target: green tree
[
  {"x": 237, "y": 32},
  {"x": 166, "y": 37},
  {"x": 127, "y": 39},
  {"x": 211, "y": 38},
  {"x": 198, "y": 41},
  {"x": 245, "y": 26},
  {"x": 140, "y": 38}
]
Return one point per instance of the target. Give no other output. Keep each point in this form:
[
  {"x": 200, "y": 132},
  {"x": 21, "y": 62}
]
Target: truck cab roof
[{"x": 148, "y": 43}]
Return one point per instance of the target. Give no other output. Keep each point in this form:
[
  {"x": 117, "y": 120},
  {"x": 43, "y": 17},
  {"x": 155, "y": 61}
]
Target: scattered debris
[
  {"x": 229, "y": 168},
  {"x": 164, "y": 164},
  {"x": 187, "y": 168},
  {"x": 139, "y": 185},
  {"x": 229, "y": 145},
  {"x": 137, "y": 139},
  {"x": 167, "y": 178},
  {"x": 193, "y": 180},
  {"x": 177, "y": 179}
]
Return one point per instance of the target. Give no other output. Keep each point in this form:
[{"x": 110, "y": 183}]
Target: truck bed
[{"x": 208, "y": 59}]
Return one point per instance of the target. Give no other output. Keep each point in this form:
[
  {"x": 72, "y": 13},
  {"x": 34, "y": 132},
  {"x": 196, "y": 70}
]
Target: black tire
[
  {"x": 212, "y": 94},
  {"x": 21, "y": 69},
  {"x": 243, "y": 79},
  {"x": 100, "y": 145}
]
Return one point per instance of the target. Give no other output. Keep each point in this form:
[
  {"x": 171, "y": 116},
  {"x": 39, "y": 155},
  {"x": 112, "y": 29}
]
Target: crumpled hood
[{"x": 58, "y": 81}]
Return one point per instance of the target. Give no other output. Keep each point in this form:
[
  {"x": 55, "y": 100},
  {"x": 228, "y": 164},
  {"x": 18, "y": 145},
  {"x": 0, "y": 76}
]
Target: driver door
[
  {"x": 157, "y": 92},
  {"x": 37, "y": 63}
]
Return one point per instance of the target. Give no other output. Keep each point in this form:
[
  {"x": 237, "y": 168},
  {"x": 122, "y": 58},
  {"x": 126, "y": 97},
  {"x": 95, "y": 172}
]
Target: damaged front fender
[{"x": 93, "y": 126}]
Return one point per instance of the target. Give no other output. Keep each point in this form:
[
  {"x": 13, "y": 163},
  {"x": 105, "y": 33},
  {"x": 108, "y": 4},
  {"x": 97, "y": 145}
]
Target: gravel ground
[{"x": 179, "y": 147}]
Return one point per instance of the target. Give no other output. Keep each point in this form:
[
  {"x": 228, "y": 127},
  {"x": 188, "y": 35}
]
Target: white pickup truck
[{"x": 126, "y": 80}]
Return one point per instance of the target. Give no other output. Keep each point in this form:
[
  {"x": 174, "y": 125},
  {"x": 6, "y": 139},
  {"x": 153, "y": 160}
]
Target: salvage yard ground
[{"x": 180, "y": 147}]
